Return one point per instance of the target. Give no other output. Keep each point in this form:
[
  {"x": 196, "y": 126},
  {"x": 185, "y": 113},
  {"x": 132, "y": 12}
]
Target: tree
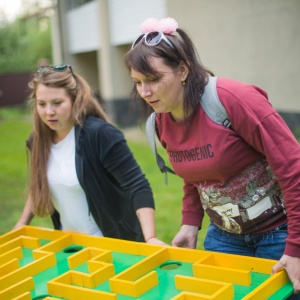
[{"x": 24, "y": 42}]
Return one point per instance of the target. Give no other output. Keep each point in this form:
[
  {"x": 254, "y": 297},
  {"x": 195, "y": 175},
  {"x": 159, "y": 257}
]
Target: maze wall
[{"x": 39, "y": 263}]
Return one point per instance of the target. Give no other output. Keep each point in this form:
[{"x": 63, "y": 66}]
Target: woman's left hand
[
  {"x": 292, "y": 266},
  {"x": 156, "y": 241}
]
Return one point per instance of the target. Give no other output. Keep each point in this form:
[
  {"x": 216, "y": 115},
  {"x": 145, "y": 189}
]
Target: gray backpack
[{"x": 211, "y": 104}]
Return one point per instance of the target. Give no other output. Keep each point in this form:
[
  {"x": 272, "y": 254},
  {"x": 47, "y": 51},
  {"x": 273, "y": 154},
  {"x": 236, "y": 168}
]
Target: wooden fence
[{"x": 14, "y": 89}]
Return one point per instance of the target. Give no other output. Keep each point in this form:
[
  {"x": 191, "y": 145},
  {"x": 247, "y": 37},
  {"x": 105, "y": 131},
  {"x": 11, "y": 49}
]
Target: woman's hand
[
  {"x": 155, "y": 241},
  {"x": 26, "y": 216},
  {"x": 292, "y": 266},
  {"x": 19, "y": 224},
  {"x": 186, "y": 237}
]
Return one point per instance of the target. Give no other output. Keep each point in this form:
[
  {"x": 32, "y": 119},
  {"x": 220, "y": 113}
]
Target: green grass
[{"x": 15, "y": 127}]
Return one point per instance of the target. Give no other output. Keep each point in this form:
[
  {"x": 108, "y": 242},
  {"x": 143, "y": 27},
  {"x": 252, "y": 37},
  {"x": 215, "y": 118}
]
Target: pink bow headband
[{"x": 166, "y": 25}]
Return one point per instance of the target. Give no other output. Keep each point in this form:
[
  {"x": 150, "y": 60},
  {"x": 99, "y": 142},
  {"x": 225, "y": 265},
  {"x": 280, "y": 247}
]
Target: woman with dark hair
[
  {"x": 82, "y": 171},
  {"x": 246, "y": 176}
]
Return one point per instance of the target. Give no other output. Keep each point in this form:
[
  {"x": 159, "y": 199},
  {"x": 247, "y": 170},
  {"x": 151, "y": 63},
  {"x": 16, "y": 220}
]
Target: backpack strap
[
  {"x": 151, "y": 134},
  {"x": 212, "y": 106}
]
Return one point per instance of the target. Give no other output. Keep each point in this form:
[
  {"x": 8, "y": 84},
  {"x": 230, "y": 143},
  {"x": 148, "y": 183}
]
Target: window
[{"x": 75, "y": 3}]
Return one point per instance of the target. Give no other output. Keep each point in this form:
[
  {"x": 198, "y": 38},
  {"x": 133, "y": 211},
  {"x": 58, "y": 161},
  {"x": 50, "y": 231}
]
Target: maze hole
[
  {"x": 40, "y": 297},
  {"x": 73, "y": 249},
  {"x": 170, "y": 265}
]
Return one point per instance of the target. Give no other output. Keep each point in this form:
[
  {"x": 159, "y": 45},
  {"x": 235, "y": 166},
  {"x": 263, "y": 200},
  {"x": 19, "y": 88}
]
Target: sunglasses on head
[
  {"x": 56, "y": 68},
  {"x": 152, "y": 39}
]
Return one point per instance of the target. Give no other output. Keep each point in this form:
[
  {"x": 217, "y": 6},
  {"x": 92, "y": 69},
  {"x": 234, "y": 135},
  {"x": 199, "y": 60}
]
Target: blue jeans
[{"x": 269, "y": 244}]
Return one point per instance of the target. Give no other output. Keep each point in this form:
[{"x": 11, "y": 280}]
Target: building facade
[{"x": 255, "y": 41}]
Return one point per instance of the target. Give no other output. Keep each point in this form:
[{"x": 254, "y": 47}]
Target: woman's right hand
[
  {"x": 19, "y": 224},
  {"x": 26, "y": 216},
  {"x": 186, "y": 237}
]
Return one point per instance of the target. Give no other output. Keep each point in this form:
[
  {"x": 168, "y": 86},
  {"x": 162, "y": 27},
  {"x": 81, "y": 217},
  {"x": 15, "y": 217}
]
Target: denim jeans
[{"x": 269, "y": 244}]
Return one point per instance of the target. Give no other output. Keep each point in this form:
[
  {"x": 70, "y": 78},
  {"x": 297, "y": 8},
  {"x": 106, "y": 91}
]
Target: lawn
[{"x": 15, "y": 126}]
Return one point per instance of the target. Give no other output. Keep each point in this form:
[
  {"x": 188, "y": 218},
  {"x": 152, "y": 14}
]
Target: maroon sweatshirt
[{"x": 247, "y": 179}]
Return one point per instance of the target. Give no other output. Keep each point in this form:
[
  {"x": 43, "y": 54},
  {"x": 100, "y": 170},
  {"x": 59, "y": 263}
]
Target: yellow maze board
[{"x": 40, "y": 263}]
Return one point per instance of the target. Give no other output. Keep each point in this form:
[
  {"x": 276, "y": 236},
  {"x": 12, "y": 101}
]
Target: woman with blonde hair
[{"x": 82, "y": 172}]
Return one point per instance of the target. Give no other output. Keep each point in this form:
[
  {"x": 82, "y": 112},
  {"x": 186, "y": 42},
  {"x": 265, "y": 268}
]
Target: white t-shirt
[{"x": 68, "y": 196}]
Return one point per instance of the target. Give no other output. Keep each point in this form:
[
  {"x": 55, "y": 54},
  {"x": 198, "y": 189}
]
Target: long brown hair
[
  {"x": 39, "y": 143},
  {"x": 185, "y": 52}
]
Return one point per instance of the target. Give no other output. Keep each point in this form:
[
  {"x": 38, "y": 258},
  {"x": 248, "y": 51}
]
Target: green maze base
[{"x": 38, "y": 263}]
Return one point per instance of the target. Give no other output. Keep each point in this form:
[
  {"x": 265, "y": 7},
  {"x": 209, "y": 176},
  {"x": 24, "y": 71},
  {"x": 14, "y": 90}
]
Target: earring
[{"x": 183, "y": 82}]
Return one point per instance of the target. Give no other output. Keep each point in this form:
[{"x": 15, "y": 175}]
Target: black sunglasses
[
  {"x": 152, "y": 39},
  {"x": 56, "y": 68}
]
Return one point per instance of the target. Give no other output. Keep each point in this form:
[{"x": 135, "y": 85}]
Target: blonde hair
[{"x": 39, "y": 143}]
